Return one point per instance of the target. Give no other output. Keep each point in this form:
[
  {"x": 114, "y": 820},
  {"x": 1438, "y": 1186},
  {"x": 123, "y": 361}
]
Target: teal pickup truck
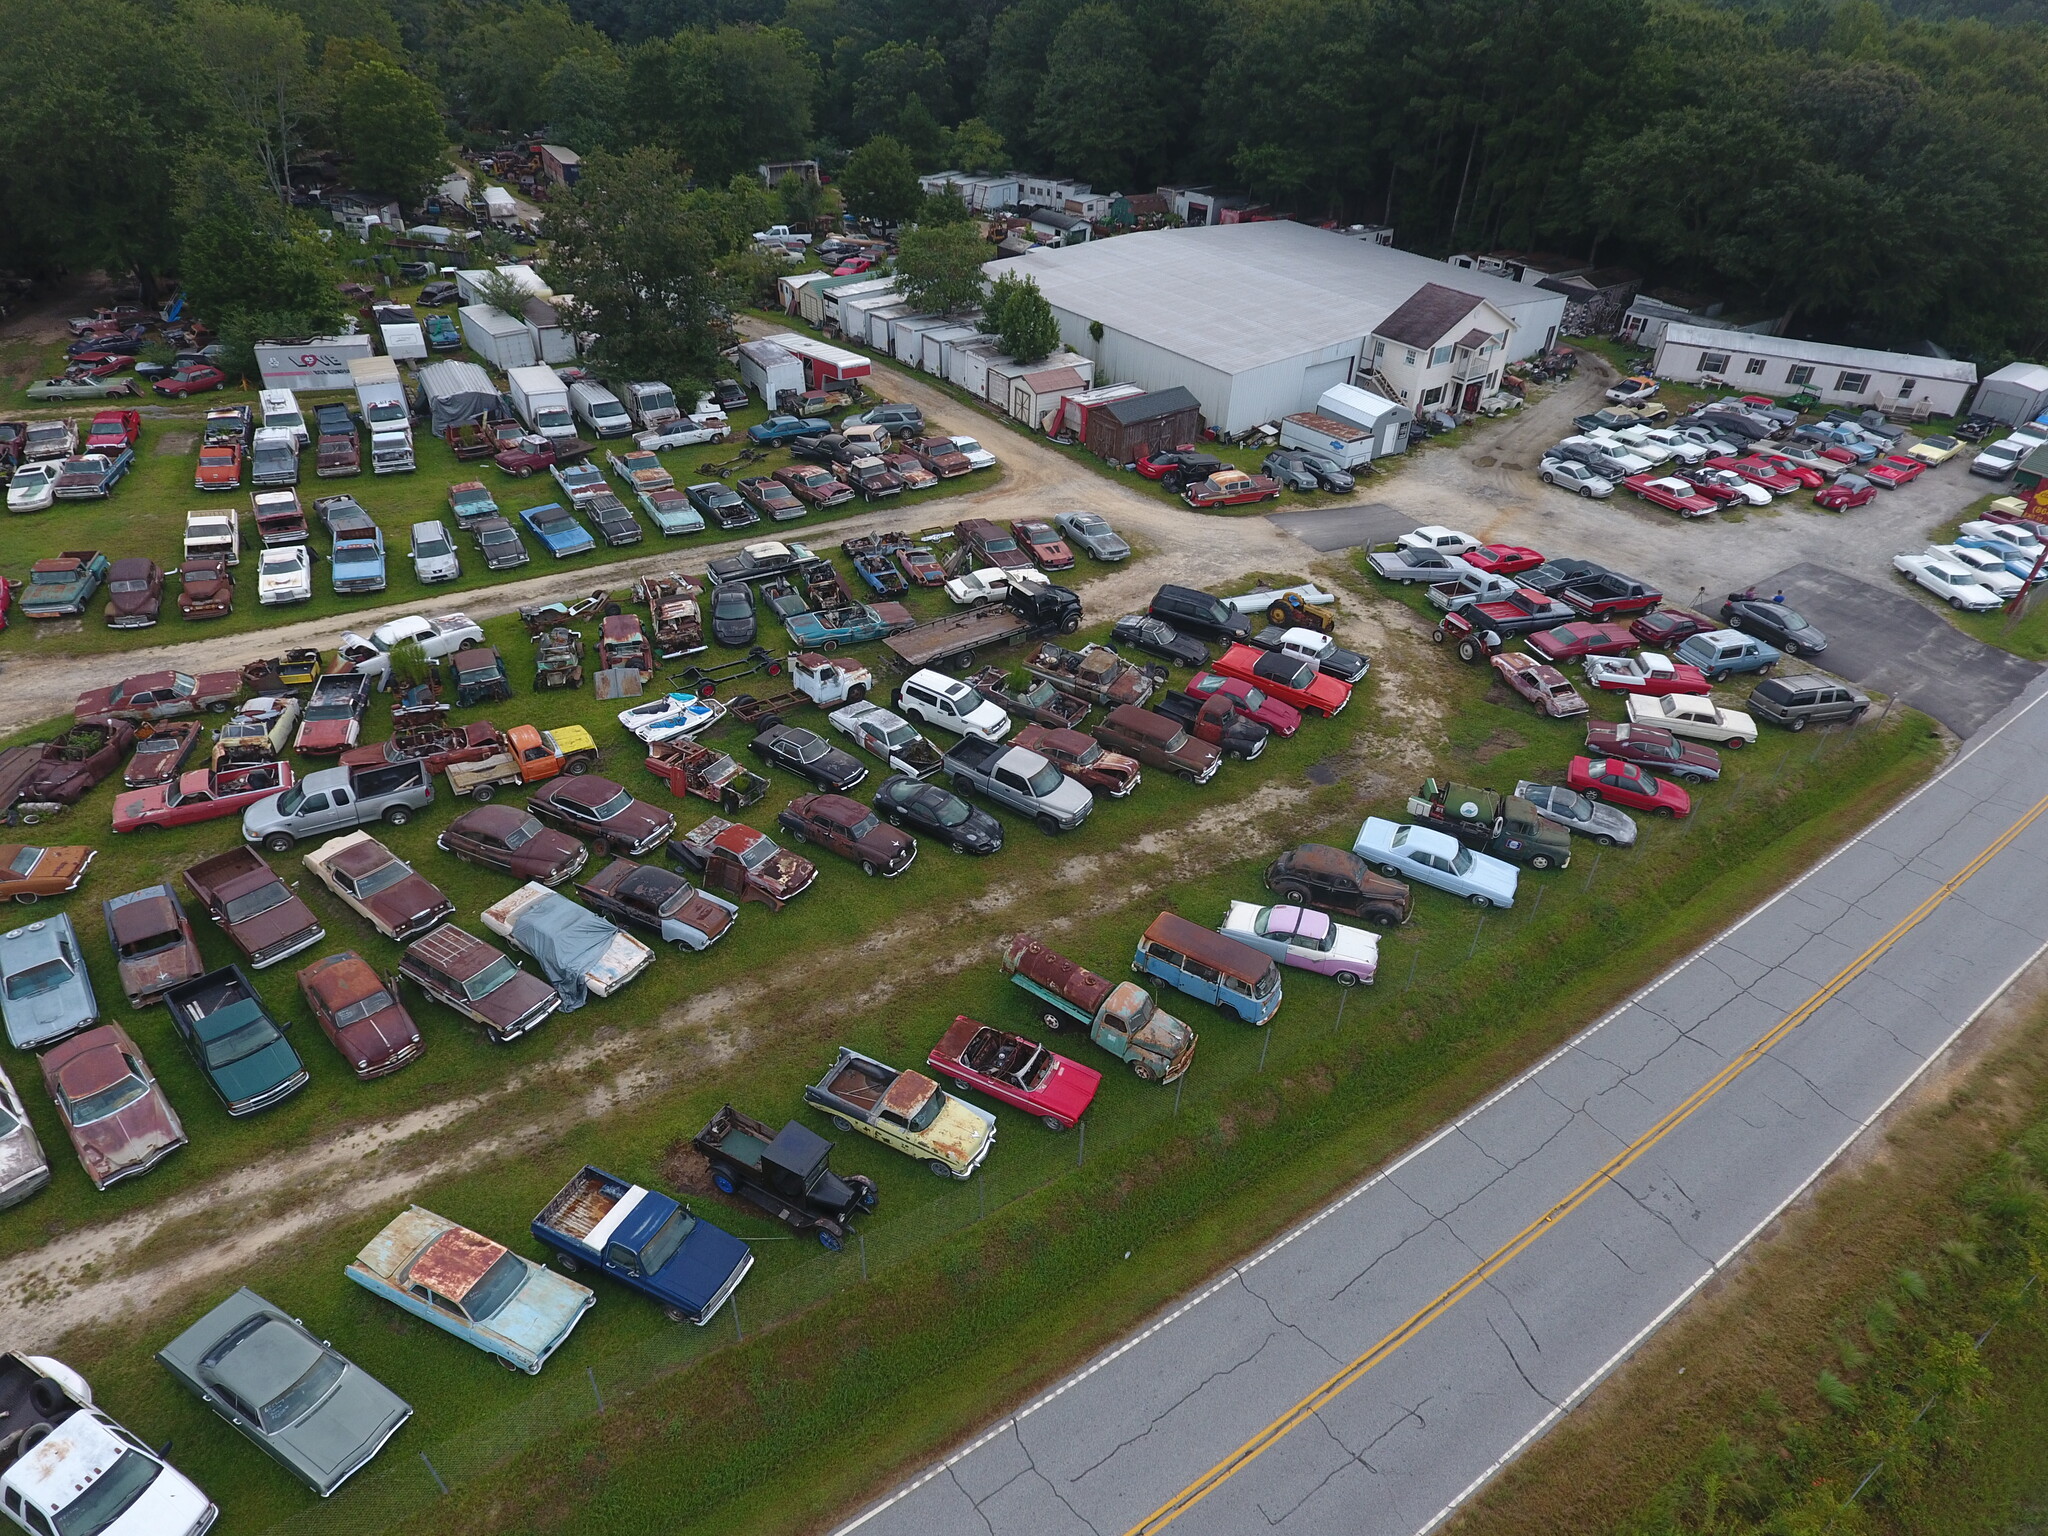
[
  {"x": 1119, "y": 1016},
  {"x": 62, "y": 586}
]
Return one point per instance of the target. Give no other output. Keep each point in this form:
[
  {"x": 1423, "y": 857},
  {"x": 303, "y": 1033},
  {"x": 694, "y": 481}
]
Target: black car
[
  {"x": 1189, "y": 608},
  {"x": 1180, "y": 466},
  {"x": 1975, "y": 429},
  {"x": 1553, "y": 576},
  {"x": 732, "y": 614},
  {"x": 809, "y": 756},
  {"x": 721, "y": 504},
  {"x": 616, "y": 524},
  {"x": 434, "y": 295},
  {"x": 1340, "y": 881},
  {"x": 729, "y": 395},
  {"x": 415, "y": 271},
  {"x": 1156, "y": 637},
  {"x": 1306, "y": 471},
  {"x": 1783, "y": 626},
  {"x": 907, "y": 802},
  {"x": 498, "y": 541}
]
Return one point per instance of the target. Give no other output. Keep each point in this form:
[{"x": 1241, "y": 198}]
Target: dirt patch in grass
[
  {"x": 686, "y": 1169},
  {"x": 176, "y": 444},
  {"x": 1498, "y": 741},
  {"x": 1767, "y": 1325}
]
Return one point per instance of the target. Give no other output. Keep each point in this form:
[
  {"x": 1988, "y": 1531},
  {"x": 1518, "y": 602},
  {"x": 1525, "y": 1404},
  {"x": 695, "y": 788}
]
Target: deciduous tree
[
  {"x": 938, "y": 267},
  {"x": 389, "y": 124},
  {"x": 1019, "y": 317},
  {"x": 879, "y": 182}
]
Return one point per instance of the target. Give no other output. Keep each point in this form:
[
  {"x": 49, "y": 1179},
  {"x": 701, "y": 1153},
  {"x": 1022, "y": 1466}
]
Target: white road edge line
[{"x": 997, "y": 1431}]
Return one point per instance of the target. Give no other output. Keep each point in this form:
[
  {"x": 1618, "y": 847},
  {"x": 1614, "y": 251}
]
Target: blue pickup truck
[{"x": 644, "y": 1240}]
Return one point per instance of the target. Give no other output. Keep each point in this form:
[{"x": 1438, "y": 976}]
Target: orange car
[
  {"x": 28, "y": 873},
  {"x": 220, "y": 467}
]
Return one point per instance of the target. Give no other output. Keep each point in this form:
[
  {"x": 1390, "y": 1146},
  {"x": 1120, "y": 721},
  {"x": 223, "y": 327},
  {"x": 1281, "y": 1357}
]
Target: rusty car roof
[
  {"x": 907, "y": 1094},
  {"x": 452, "y": 1263}
]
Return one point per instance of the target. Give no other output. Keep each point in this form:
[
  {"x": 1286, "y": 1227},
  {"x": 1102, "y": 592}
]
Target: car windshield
[
  {"x": 362, "y": 1008},
  {"x": 38, "y": 980},
  {"x": 1462, "y": 863},
  {"x": 279, "y": 562},
  {"x": 289, "y": 802},
  {"x": 25, "y": 861},
  {"x": 759, "y": 854},
  {"x": 661, "y": 1247},
  {"x": 489, "y": 979},
  {"x": 864, "y": 826},
  {"x": 305, "y": 1394},
  {"x": 255, "y": 903},
  {"x": 128, "y": 585},
  {"x": 951, "y": 811},
  {"x": 523, "y": 834},
  {"x": 107, "y": 1101},
  {"x": 9, "y": 1124},
  {"x": 432, "y": 549},
  {"x": 108, "y": 1497},
  {"x": 1045, "y": 781},
  {"x": 244, "y": 1040},
  {"x": 382, "y": 878},
  {"x": 615, "y": 806},
  {"x": 500, "y": 1283},
  {"x": 1567, "y": 802}
]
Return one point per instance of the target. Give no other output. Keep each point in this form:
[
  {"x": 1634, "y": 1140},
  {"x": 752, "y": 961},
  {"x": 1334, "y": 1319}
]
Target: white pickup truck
[{"x": 214, "y": 531}]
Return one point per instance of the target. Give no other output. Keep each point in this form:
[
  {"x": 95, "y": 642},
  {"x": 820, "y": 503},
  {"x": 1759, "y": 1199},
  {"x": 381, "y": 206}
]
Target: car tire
[
  {"x": 1590, "y": 794},
  {"x": 1586, "y": 491},
  {"x": 938, "y": 1167},
  {"x": 1483, "y": 903},
  {"x": 1718, "y": 675},
  {"x": 1853, "y": 716},
  {"x": 568, "y": 1262},
  {"x": 830, "y": 1240},
  {"x": 1733, "y": 744},
  {"x": 280, "y": 842},
  {"x": 867, "y": 867},
  {"x": 839, "y": 1122},
  {"x": 1047, "y": 825},
  {"x": 1603, "y": 840},
  {"x": 576, "y": 767},
  {"x": 217, "y": 707},
  {"x": 483, "y": 794},
  {"x": 1539, "y": 861},
  {"x": 1392, "y": 872},
  {"x": 1347, "y": 978},
  {"x": 27, "y": 899},
  {"x": 1791, "y": 648},
  {"x": 397, "y": 816},
  {"x": 1469, "y": 650},
  {"x": 1798, "y": 723},
  {"x": 722, "y": 1181},
  {"x": 1666, "y": 812},
  {"x": 1294, "y": 896}
]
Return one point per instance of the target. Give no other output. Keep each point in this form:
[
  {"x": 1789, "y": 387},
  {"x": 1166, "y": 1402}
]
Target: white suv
[{"x": 937, "y": 699}]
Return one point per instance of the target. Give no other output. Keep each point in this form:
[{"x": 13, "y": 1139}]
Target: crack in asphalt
[
  {"x": 1295, "y": 1328},
  {"x": 1660, "y": 1216},
  {"x": 1154, "y": 1422},
  {"x": 1493, "y": 1284},
  {"x": 1624, "y": 1263},
  {"x": 1049, "y": 1483},
  {"x": 1504, "y": 1344},
  {"x": 972, "y": 1503},
  {"x": 1351, "y": 1458}
]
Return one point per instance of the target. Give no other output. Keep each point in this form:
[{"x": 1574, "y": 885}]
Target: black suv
[
  {"x": 1201, "y": 613},
  {"x": 1300, "y": 470}
]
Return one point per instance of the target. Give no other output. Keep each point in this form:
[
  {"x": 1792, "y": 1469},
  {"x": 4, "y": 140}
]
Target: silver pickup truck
[
  {"x": 339, "y": 800},
  {"x": 1020, "y": 779}
]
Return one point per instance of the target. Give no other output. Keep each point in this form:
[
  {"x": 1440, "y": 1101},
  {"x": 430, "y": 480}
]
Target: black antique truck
[{"x": 786, "y": 1173}]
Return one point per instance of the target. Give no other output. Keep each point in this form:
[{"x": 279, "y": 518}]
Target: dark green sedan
[
  {"x": 239, "y": 1047},
  {"x": 318, "y": 1414}
]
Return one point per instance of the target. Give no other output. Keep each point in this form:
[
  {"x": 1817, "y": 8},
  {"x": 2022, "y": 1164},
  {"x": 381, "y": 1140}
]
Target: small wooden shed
[{"x": 1123, "y": 430}]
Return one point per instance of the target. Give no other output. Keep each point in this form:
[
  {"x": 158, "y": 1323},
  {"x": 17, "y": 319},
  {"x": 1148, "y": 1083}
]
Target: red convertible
[
  {"x": 1764, "y": 472},
  {"x": 1893, "y": 470},
  {"x": 1805, "y": 474},
  {"x": 1281, "y": 719},
  {"x": 1502, "y": 559},
  {"x": 1672, "y": 494},
  {"x": 201, "y": 795},
  {"x": 161, "y": 696},
  {"x": 1291, "y": 679},
  {"x": 1019, "y": 1072},
  {"x": 1568, "y": 642},
  {"x": 1623, "y": 783},
  {"x": 1649, "y": 674}
]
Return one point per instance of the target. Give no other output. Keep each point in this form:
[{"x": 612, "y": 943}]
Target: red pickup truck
[{"x": 1608, "y": 595}]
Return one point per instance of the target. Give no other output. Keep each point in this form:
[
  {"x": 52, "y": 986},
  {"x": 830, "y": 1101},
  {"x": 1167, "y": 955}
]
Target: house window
[
  {"x": 1439, "y": 357},
  {"x": 1852, "y": 383},
  {"x": 1713, "y": 362},
  {"x": 1379, "y": 350},
  {"x": 1801, "y": 374},
  {"x": 1411, "y": 357},
  {"x": 1906, "y": 388},
  {"x": 1754, "y": 366},
  {"x": 1432, "y": 396}
]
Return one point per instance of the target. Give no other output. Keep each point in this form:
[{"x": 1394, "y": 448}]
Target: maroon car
[
  {"x": 437, "y": 746},
  {"x": 135, "y": 593},
  {"x": 160, "y": 754},
  {"x": 154, "y": 949},
  {"x": 261, "y": 916},
  {"x": 1083, "y": 759},
  {"x": 850, "y": 829},
  {"x": 358, "y": 1013},
  {"x": 1572, "y": 642},
  {"x": 161, "y": 696},
  {"x": 528, "y": 456},
  {"x": 380, "y": 886},
  {"x": 461, "y": 971},
  {"x": 814, "y": 484},
  {"x": 206, "y": 588},
  {"x": 191, "y": 380},
  {"x": 601, "y": 809},
  {"x": 507, "y": 838},
  {"x": 81, "y": 758},
  {"x": 938, "y": 455},
  {"x": 117, "y": 1117},
  {"x": 659, "y": 900},
  {"x": 768, "y": 496},
  {"x": 992, "y": 544},
  {"x": 1654, "y": 747},
  {"x": 1667, "y": 626}
]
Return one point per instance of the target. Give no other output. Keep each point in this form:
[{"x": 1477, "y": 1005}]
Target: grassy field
[
  {"x": 1182, "y": 1181},
  {"x": 145, "y": 515}
]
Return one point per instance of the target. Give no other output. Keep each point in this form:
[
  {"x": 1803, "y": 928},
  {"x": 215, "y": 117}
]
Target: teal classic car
[
  {"x": 62, "y": 586},
  {"x": 461, "y": 1281},
  {"x": 240, "y": 1049},
  {"x": 312, "y": 1410}
]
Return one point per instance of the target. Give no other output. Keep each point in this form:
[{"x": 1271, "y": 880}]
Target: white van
[
  {"x": 599, "y": 409},
  {"x": 281, "y": 412}
]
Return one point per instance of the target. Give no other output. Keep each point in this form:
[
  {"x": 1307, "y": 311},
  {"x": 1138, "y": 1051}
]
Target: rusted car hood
[
  {"x": 409, "y": 902},
  {"x": 379, "y": 1037},
  {"x": 785, "y": 874},
  {"x": 960, "y": 1132},
  {"x": 147, "y": 975},
  {"x": 704, "y": 915}
]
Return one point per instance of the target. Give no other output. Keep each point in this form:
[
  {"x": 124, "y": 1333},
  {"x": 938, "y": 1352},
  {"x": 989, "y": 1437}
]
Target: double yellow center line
[{"x": 1494, "y": 1262}]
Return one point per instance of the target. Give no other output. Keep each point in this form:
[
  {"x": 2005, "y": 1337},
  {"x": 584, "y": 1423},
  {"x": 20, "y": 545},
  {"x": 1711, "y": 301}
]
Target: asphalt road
[
  {"x": 1347, "y": 527},
  {"x": 1886, "y": 638},
  {"x": 1374, "y": 1367}
]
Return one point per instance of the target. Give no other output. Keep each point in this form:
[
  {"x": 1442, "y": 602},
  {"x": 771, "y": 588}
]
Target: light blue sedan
[
  {"x": 45, "y": 993},
  {"x": 558, "y": 530},
  {"x": 1435, "y": 858}
]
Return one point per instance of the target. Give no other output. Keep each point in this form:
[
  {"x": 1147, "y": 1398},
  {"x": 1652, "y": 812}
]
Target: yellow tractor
[{"x": 1291, "y": 611}]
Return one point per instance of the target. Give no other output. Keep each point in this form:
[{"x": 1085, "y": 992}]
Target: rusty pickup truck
[
  {"x": 257, "y": 910},
  {"x": 692, "y": 768},
  {"x": 1119, "y": 1016},
  {"x": 905, "y": 1111},
  {"x": 1095, "y": 673}
]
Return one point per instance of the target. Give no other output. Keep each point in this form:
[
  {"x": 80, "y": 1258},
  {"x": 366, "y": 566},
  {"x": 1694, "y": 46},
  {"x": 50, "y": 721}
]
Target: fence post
[
  {"x": 981, "y": 1193},
  {"x": 1081, "y": 1147},
  {"x": 1481, "y": 928},
  {"x": 738, "y": 1333},
  {"x": 863, "y": 1254},
  {"x": 1343, "y": 996},
  {"x": 1593, "y": 873},
  {"x": 1265, "y": 1044},
  {"x": 1535, "y": 905},
  {"x": 1414, "y": 959},
  {"x": 1178, "y": 1084},
  {"x": 433, "y": 1474},
  {"x": 592, "y": 1374}
]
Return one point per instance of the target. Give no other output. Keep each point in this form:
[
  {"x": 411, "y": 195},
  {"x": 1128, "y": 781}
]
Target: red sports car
[
  {"x": 201, "y": 795},
  {"x": 1892, "y": 470},
  {"x": 1181, "y": 464},
  {"x": 1502, "y": 559},
  {"x": 1290, "y": 679},
  {"x": 1667, "y": 626},
  {"x": 1610, "y": 778},
  {"x": 1019, "y": 1072},
  {"x": 1847, "y": 491},
  {"x": 1568, "y": 642},
  {"x": 1282, "y": 719},
  {"x": 1805, "y": 474},
  {"x": 1757, "y": 468}
]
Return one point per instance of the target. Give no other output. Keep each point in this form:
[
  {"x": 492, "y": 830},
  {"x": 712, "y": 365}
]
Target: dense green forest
[{"x": 1863, "y": 171}]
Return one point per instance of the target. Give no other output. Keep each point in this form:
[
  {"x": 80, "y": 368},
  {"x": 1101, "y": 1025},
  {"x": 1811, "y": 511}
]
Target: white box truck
[
  {"x": 500, "y": 339},
  {"x": 214, "y": 531},
  {"x": 599, "y": 409},
  {"x": 380, "y": 397},
  {"x": 1342, "y": 441},
  {"x": 541, "y": 399},
  {"x": 652, "y": 405},
  {"x": 768, "y": 368}
]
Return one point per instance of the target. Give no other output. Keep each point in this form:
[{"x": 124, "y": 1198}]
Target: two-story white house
[{"x": 1442, "y": 350}]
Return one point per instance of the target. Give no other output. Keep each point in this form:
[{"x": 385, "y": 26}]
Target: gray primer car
[
  {"x": 1408, "y": 566},
  {"x": 1091, "y": 533},
  {"x": 318, "y": 1414},
  {"x": 24, "y": 1168},
  {"x": 1576, "y": 813},
  {"x": 45, "y": 993}
]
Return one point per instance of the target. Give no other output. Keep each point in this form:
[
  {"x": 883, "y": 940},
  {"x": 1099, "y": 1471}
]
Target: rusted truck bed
[{"x": 581, "y": 1205}]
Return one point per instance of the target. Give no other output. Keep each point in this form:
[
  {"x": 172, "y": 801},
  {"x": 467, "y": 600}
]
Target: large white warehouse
[{"x": 1256, "y": 319}]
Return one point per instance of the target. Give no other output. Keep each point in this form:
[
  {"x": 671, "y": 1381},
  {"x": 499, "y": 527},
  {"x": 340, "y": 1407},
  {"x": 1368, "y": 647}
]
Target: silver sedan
[{"x": 1576, "y": 813}]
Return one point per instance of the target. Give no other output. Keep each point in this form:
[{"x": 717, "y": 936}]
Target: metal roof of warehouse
[
  {"x": 1239, "y": 296},
  {"x": 1794, "y": 350}
]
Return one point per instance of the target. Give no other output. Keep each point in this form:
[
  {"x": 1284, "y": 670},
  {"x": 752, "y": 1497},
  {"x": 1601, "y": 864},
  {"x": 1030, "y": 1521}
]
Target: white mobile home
[
  {"x": 933, "y": 343},
  {"x": 1784, "y": 365},
  {"x": 2018, "y": 392}
]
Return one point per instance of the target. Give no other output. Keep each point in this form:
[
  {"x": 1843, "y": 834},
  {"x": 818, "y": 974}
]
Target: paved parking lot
[
  {"x": 1353, "y": 527},
  {"x": 1885, "y": 638}
]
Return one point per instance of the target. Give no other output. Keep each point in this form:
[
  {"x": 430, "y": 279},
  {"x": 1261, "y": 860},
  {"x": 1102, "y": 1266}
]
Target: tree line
[{"x": 1861, "y": 173}]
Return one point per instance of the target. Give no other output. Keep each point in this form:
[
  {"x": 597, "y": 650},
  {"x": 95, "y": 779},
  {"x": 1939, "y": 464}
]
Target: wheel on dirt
[
  {"x": 1799, "y": 722},
  {"x": 576, "y": 767},
  {"x": 721, "y": 1180}
]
